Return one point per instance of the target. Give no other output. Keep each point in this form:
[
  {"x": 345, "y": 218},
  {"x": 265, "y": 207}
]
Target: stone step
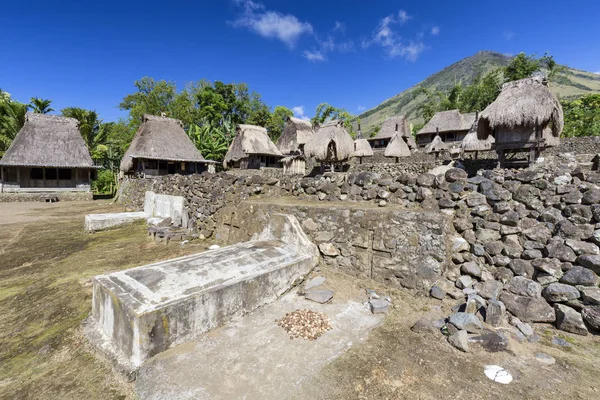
[{"x": 143, "y": 311}]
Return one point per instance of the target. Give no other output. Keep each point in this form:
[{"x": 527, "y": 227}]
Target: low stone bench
[
  {"x": 156, "y": 207},
  {"x": 99, "y": 222},
  {"x": 143, "y": 311}
]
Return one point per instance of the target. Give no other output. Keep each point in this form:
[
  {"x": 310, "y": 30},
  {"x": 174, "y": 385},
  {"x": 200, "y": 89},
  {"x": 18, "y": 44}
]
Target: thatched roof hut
[
  {"x": 251, "y": 148},
  {"x": 330, "y": 143},
  {"x": 437, "y": 145},
  {"x": 451, "y": 126},
  {"x": 525, "y": 112},
  {"x": 161, "y": 139},
  {"x": 294, "y": 136},
  {"x": 397, "y": 147},
  {"x": 362, "y": 148},
  {"x": 392, "y": 126},
  {"x": 472, "y": 143},
  {"x": 48, "y": 141}
]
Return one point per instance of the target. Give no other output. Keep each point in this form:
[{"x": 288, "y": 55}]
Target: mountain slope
[{"x": 572, "y": 83}]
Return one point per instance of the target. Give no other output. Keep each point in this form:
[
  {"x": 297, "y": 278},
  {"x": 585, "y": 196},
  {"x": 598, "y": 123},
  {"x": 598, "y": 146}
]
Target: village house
[
  {"x": 391, "y": 127},
  {"x": 330, "y": 145},
  {"x": 451, "y": 126},
  {"x": 525, "y": 117},
  {"x": 252, "y": 149},
  {"x": 291, "y": 144},
  {"x": 362, "y": 148},
  {"x": 47, "y": 155},
  {"x": 161, "y": 147}
]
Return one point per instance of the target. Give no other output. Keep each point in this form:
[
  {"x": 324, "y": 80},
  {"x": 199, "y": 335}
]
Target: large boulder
[
  {"x": 528, "y": 309},
  {"x": 591, "y": 315},
  {"x": 456, "y": 174},
  {"x": 524, "y": 287},
  {"x": 590, "y": 261},
  {"x": 580, "y": 276},
  {"x": 466, "y": 321},
  {"x": 569, "y": 320},
  {"x": 559, "y": 292}
]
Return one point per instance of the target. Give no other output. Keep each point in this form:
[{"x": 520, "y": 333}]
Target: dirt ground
[{"x": 46, "y": 265}]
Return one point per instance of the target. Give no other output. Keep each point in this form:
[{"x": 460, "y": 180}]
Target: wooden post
[
  {"x": 57, "y": 182},
  {"x": 531, "y": 156},
  {"x": 1, "y": 179},
  {"x": 19, "y": 176}
]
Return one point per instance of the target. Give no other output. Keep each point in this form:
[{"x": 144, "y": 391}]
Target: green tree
[
  {"x": 152, "y": 97},
  {"x": 277, "y": 120},
  {"x": 40, "y": 106},
  {"x": 12, "y": 119},
  {"x": 326, "y": 112},
  {"x": 521, "y": 67},
  {"x": 582, "y": 116},
  {"x": 90, "y": 128},
  {"x": 212, "y": 140}
]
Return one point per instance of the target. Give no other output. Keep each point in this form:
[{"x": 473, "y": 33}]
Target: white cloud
[
  {"x": 435, "y": 30},
  {"x": 597, "y": 73},
  {"x": 508, "y": 35},
  {"x": 393, "y": 44},
  {"x": 299, "y": 112},
  {"x": 314, "y": 55},
  {"x": 271, "y": 24},
  {"x": 403, "y": 17},
  {"x": 339, "y": 26},
  {"x": 361, "y": 108}
]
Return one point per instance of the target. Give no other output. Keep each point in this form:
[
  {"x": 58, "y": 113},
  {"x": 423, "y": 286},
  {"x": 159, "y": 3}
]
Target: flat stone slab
[
  {"x": 253, "y": 358},
  {"x": 100, "y": 222},
  {"x": 143, "y": 311}
]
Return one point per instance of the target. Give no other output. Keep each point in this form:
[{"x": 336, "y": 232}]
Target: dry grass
[{"x": 45, "y": 294}]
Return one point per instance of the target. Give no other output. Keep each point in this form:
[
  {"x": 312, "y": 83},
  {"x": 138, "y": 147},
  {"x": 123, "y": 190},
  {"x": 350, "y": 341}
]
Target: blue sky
[{"x": 352, "y": 54}]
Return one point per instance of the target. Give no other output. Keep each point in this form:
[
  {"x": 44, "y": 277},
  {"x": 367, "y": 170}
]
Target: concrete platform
[
  {"x": 143, "y": 311},
  {"x": 156, "y": 208},
  {"x": 254, "y": 358},
  {"x": 100, "y": 222}
]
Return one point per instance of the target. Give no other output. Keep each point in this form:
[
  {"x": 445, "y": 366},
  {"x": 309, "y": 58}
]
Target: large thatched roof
[
  {"x": 362, "y": 148},
  {"x": 448, "y": 121},
  {"x": 397, "y": 147},
  {"x": 524, "y": 103},
  {"x": 48, "y": 141},
  {"x": 160, "y": 138},
  {"x": 250, "y": 139},
  {"x": 296, "y": 133},
  {"x": 330, "y": 132},
  {"x": 393, "y": 125},
  {"x": 437, "y": 145}
]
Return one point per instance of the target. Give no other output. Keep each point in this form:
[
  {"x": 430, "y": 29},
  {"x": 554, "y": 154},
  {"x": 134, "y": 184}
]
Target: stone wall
[
  {"x": 61, "y": 196},
  {"x": 398, "y": 247}
]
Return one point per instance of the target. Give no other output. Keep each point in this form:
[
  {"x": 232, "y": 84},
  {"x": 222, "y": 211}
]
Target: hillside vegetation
[{"x": 571, "y": 83}]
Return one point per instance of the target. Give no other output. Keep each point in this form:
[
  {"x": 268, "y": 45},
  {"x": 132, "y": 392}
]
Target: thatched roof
[
  {"x": 397, "y": 147},
  {"x": 448, "y": 121},
  {"x": 161, "y": 138},
  {"x": 526, "y": 102},
  {"x": 362, "y": 148},
  {"x": 436, "y": 145},
  {"x": 471, "y": 142},
  {"x": 330, "y": 132},
  {"x": 48, "y": 141},
  {"x": 388, "y": 128},
  {"x": 250, "y": 139},
  {"x": 296, "y": 133}
]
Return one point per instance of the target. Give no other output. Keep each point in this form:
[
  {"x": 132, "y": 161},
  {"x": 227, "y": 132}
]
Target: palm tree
[
  {"x": 12, "y": 119},
  {"x": 40, "y": 106},
  {"x": 89, "y": 125}
]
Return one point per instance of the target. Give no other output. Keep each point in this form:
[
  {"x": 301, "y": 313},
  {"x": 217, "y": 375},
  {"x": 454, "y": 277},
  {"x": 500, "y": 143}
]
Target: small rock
[
  {"x": 214, "y": 247},
  {"x": 424, "y": 326},
  {"x": 590, "y": 261},
  {"x": 437, "y": 293},
  {"x": 590, "y": 295},
  {"x": 313, "y": 283},
  {"x": 379, "y": 306},
  {"x": 460, "y": 340},
  {"x": 526, "y": 329},
  {"x": 591, "y": 315},
  {"x": 466, "y": 321},
  {"x": 494, "y": 313},
  {"x": 558, "y": 341},
  {"x": 328, "y": 249},
  {"x": 471, "y": 268},
  {"x": 464, "y": 281},
  {"x": 319, "y": 295},
  {"x": 545, "y": 358}
]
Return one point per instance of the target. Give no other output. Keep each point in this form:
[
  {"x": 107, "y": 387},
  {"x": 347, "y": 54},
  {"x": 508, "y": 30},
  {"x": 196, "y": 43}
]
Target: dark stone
[
  {"x": 510, "y": 218},
  {"x": 526, "y": 194},
  {"x": 528, "y": 309},
  {"x": 578, "y": 213},
  {"x": 591, "y": 315},
  {"x": 524, "y": 287},
  {"x": 437, "y": 292},
  {"x": 580, "y": 276},
  {"x": 466, "y": 321},
  {"x": 531, "y": 254},
  {"x": 560, "y": 251},
  {"x": 521, "y": 268},
  {"x": 456, "y": 187},
  {"x": 456, "y": 174},
  {"x": 559, "y": 292},
  {"x": 569, "y": 320},
  {"x": 425, "y": 180},
  {"x": 503, "y": 274},
  {"x": 591, "y": 196},
  {"x": 590, "y": 261}
]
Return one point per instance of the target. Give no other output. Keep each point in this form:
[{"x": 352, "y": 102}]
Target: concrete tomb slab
[
  {"x": 143, "y": 311},
  {"x": 155, "y": 206},
  {"x": 99, "y": 222}
]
